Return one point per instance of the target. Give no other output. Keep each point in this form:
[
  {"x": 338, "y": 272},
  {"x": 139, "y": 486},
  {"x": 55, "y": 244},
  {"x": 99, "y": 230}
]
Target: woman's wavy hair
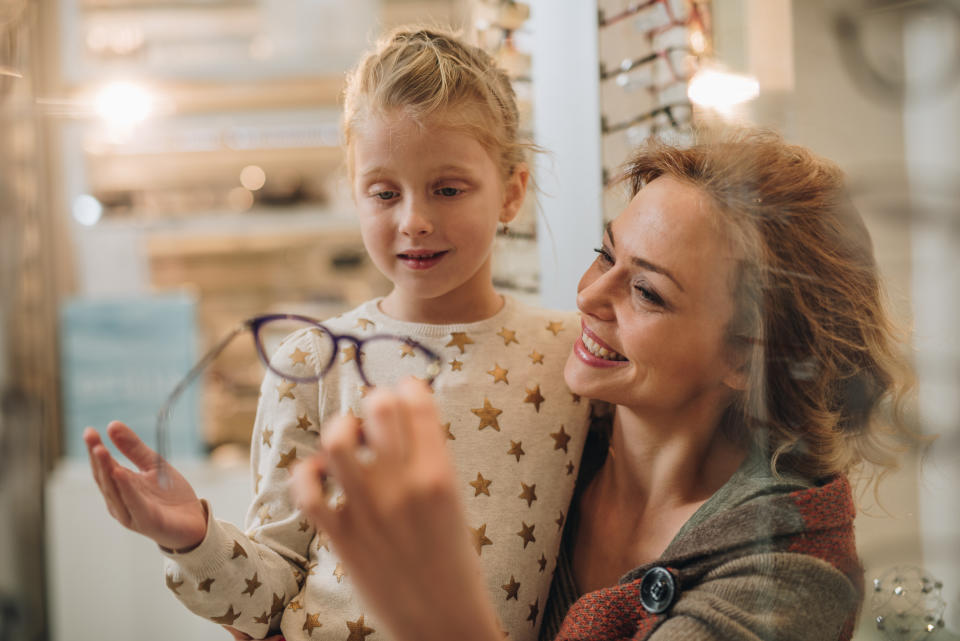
[
  {"x": 429, "y": 72},
  {"x": 827, "y": 379}
]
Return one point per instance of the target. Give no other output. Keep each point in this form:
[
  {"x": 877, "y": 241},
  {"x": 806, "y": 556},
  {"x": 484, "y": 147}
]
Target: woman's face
[{"x": 655, "y": 305}]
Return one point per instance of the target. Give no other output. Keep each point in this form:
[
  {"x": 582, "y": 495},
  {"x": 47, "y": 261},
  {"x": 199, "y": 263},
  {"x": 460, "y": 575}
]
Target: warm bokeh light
[
  {"x": 720, "y": 90},
  {"x": 240, "y": 199},
  {"x": 698, "y": 42},
  {"x": 124, "y": 104},
  {"x": 87, "y": 210},
  {"x": 253, "y": 177}
]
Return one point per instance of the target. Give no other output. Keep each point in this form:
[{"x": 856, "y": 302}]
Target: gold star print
[
  {"x": 448, "y": 433},
  {"x": 323, "y": 541},
  {"x": 498, "y": 374},
  {"x": 455, "y": 365},
  {"x": 285, "y": 390},
  {"x": 264, "y": 514},
  {"x": 459, "y": 339},
  {"x": 561, "y": 439},
  {"x": 252, "y": 585},
  {"x": 298, "y": 357},
  {"x": 569, "y": 468},
  {"x": 238, "y": 550},
  {"x": 294, "y": 605},
  {"x": 267, "y": 436},
  {"x": 543, "y": 562},
  {"x": 559, "y": 520},
  {"x": 527, "y": 534},
  {"x": 534, "y": 611},
  {"x": 512, "y": 588},
  {"x": 228, "y": 617},
  {"x": 364, "y": 390},
  {"x": 365, "y": 323},
  {"x": 358, "y": 630},
  {"x": 204, "y": 586},
  {"x": 304, "y": 526},
  {"x": 303, "y": 423},
  {"x": 263, "y": 618},
  {"x": 536, "y": 357},
  {"x": 407, "y": 350},
  {"x": 173, "y": 585},
  {"x": 480, "y": 538},
  {"x": 488, "y": 415},
  {"x": 350, "y": 354},
  {"x": 555, "y": 327},
  {"x": 481, "y": 485},
  {"x": 508, "y": 335},
  {"x": 529, "y": 493},
  {"x": 534, "y": 396},
  {"x": 310, "y": 568},
  {"x": 277, "y": 606},
  {"x": 339, "y": 572},
  {"x": 312, "y": 621},
  {"x": 287, "y": 459},
  {"x": 256, "y": 483},
  {"x": 516, "y": 450}
]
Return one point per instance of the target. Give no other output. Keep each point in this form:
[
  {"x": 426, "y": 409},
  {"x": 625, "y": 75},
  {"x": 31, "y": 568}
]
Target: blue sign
[{"x": 119, "y": 361}]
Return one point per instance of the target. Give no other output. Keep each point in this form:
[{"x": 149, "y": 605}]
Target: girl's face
[
  {"x": 655, "y": 304},
  {"x": 429, "y": 198}
]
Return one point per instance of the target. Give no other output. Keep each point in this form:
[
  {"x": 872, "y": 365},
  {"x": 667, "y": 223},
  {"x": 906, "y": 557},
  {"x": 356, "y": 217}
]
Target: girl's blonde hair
[
  {"x": 431, "y": 73},
  {"x": 826, "y": 375}
]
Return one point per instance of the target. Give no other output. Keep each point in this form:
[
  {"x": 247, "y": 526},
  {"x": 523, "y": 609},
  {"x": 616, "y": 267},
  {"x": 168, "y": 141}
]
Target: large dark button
[{"x": 657, "y": 590}]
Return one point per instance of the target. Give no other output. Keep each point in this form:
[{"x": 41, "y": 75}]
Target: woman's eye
[
  {"x": 649, "y": 295},
  {"x": 603, "y": 255},
  {"x": 449, "y": 192}
]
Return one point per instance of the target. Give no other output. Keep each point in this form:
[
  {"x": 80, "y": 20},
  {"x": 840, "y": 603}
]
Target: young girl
[{"x": 436, "y": 165}]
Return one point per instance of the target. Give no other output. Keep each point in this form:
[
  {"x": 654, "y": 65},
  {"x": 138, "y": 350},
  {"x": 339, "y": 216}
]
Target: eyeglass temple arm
[{"x": 185, "y": 382}]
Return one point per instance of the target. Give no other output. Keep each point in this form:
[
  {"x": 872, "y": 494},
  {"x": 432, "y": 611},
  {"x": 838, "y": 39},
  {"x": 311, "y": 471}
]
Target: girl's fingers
[
  {"x": 423, "y": 418},
  {"x": 132, "y": 447},
  {"x": 109, "y": 488}
]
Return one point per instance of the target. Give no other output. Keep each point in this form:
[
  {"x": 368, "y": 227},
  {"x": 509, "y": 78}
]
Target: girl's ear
[
  {"x": 738, "y": 374},
  {"x": 514, "y": 193}
]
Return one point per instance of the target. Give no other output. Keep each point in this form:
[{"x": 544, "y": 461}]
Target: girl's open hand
[
  {"x": 162, "y": 507},
  {"x": 400, "y": 530}
]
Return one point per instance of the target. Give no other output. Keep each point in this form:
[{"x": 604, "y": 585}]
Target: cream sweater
[{"x": 515, "y": 433}]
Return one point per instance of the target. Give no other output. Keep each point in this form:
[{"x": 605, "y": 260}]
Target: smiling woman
[{"x": 734, "y": 317}]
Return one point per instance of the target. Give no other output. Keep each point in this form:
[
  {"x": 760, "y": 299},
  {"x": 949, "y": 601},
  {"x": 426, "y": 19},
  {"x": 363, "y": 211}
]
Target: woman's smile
[{"x": 594, "y": 352}]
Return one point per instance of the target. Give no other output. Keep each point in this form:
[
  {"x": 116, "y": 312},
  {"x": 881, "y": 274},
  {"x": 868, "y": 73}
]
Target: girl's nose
[{"x": 414, "y": 221}]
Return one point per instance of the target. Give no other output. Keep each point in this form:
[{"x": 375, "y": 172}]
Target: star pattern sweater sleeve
[{"x": 515, "y": 434}]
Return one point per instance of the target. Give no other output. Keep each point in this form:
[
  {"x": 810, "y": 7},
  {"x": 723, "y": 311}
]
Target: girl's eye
[
  {"x": 385, "y": 195},
  {"x": 449, "y": 192}
]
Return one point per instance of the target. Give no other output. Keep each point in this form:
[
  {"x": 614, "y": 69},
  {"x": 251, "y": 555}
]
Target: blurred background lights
[
  {"x": 721, "y": 90},
  {"x": 252, "y": 177},
  {"x": 240, "y": 199},
  {"x": 87, "y": 210},
  {"x": 124, "y": 104},
  {"x": 698, "y": 42}
]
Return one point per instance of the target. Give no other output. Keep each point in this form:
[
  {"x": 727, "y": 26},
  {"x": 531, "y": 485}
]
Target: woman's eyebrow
[{"x": 641, "y": 262}]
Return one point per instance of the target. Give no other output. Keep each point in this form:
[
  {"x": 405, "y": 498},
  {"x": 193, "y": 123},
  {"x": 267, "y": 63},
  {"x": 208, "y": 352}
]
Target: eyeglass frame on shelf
[{"x": 254, "y": 324}]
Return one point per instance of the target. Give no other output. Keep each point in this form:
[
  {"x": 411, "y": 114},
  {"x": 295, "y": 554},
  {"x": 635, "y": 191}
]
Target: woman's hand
[
  {"x": 400, "y": 531},
  {"x": 156, "y": 501}
]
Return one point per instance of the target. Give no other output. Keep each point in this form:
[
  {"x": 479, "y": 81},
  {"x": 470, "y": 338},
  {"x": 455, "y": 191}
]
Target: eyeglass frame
[{"x": 254, "y": 324}]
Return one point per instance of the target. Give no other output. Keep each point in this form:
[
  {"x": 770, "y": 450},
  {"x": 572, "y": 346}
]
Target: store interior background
[{"x": 140, "y": 225}]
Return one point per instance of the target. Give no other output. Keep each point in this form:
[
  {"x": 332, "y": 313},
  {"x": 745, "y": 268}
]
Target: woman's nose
[
  {"x": 414, "y": 220},
  {"x": 595, "y": 294}
]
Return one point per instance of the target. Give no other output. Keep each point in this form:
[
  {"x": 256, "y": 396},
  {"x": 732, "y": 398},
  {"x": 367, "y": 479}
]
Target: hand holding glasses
[{"x": 156, "y": 500}]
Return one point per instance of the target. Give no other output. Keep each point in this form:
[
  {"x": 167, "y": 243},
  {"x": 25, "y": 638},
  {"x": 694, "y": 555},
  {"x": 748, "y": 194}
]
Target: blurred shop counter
[{"x": 106, "y": 582}]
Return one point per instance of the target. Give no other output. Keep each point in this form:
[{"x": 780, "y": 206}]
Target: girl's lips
[{"x": 418, "y": 260}]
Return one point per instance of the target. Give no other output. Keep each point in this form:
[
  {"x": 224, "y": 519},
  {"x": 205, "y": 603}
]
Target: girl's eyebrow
[{"x": 642, "y": 262}]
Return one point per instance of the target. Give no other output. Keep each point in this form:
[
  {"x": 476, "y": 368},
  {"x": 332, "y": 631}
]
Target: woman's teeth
[{"x": 600, "y": 352}]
